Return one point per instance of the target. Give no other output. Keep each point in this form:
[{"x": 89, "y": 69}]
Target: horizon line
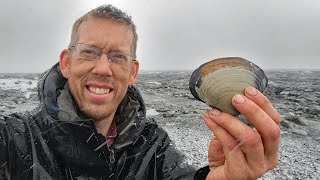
[{"x": 266, "y": 69}]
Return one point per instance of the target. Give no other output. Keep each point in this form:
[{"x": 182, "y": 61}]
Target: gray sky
[{"x": 173, "y": 34}]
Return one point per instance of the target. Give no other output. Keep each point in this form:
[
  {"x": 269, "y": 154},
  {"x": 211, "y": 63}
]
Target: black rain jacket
[{"x": 58, "y": 143}]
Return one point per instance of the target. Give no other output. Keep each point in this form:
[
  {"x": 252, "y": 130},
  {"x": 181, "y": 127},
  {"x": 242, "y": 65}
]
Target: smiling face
[{"x": 99, "y": 86}]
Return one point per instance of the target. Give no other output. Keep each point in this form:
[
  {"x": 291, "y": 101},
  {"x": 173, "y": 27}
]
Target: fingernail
[
  {"x": 215, "y": 112},
  {"x": 239, "y": 99},
  {"x": 251, "y": 91}
]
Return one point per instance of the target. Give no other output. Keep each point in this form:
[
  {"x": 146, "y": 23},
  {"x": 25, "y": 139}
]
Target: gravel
[{"x": 295, "y": 94}]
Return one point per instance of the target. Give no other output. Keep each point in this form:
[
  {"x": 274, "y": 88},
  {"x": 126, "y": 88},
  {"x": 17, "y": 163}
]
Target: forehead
[{"x": 105, "y": 33}]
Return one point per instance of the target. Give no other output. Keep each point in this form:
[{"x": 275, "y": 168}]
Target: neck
[{"x": 103, "y": 125}]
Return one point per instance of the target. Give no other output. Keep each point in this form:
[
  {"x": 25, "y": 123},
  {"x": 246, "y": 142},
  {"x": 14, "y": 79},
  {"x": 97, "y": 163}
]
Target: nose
[{"x": 102, "y": 66}]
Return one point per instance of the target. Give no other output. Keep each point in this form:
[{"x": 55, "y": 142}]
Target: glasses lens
[
  {"x": 119, "y": 58},
  {"x": 87, "y": 52}
]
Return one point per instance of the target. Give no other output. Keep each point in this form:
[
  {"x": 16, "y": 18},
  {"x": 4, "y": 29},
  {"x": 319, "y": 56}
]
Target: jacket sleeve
[
  {"x": 202, "y": 173},
  {"x": 3, "y": 144},
  {"x": 162, "y": 161},
  {"x": 174, "y": 165}
]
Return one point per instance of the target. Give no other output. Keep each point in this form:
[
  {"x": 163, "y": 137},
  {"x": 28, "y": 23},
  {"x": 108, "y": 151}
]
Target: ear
[
  {"x": 134, "y": 72},
  {"x": 65, "y": 60}
]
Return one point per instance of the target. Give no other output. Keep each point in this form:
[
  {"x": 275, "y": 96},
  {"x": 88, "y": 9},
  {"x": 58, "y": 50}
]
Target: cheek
[
  {"x": 125, "y": 78},
  {"x": 76, "y": 73},
  {"x": 121, "y": 73},
  {"x": 79, "y": 69}
]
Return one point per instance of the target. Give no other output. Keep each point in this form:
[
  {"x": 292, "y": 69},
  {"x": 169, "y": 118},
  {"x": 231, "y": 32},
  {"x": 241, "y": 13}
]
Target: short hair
[{"x": 106, "y": 12}]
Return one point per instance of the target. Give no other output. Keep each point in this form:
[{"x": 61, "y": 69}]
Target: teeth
[{"x": 97, "y": 90}]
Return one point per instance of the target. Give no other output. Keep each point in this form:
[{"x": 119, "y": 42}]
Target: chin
[{"x": 97, "y": 113}]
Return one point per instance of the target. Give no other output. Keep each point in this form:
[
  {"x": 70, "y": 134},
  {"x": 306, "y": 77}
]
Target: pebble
[
  {"x": 15, "y": 101},
  {"x": 297, "y": 120},
  {"x": 2, "y": 96},
  {"x": 169, "y": 113},
  {"x": 299, "y": 131},
  {"x": 286, "y": 124},
  {"x": 284, "y": 93}
]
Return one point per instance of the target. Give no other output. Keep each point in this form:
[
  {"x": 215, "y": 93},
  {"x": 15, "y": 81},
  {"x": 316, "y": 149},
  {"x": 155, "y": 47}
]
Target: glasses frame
[{"x": 73, "y": 47}]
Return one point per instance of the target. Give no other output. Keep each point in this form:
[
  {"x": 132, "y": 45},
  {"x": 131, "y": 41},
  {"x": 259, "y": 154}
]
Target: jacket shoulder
[
  {"x": 15, "y": 126},
  {"x": 13, "y": 120},
  {"x": 15, "y": 129}
]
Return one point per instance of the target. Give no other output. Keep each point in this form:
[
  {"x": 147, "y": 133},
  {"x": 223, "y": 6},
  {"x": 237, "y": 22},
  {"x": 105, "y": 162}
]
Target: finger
[
  {"x": 267, "y": 128},
  {"x": 258, "y": 118},
  {"x": 215, "y": 154},
  {"x": 262, "y": 101},
  {"x": 235, "y": 161},
  {"x": 249, "y": 140},
  {"x": 227, "y": 141}
]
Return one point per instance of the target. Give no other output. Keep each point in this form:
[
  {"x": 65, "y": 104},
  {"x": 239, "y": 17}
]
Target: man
[{"x": 92, "y": 123}]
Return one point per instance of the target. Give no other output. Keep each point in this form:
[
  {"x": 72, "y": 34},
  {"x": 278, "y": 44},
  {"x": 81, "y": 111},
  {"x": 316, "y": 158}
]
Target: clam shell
[{"x": 217, "y": 81}]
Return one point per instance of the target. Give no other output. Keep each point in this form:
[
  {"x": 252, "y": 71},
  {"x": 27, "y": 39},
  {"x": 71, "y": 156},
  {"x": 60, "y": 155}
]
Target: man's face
[{"x": 99, "y": 86}]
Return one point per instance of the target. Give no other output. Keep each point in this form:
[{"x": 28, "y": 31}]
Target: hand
[{"x": 237, "y": 151}]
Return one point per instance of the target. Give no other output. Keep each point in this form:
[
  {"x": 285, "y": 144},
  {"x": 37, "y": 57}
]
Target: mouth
[{"x": 99, "y": 90}]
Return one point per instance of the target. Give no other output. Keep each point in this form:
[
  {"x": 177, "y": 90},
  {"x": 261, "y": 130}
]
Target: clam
[{"x": 217, "y": 81}]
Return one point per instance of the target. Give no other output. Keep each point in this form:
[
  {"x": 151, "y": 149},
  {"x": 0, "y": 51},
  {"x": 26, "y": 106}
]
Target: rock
[
  {"x": 152, "y": 112},
  {"x": 197, "y": 111},
  {"x": 34, "y": 97},
  {"x": 294, "y": 93},
  {"x": 286, "y": 124},
  {"x": 185, "y": 112},
  {"x": 313, "y": 111},
  {"x": 176, "y": 94},
  {"x": 3, "y": 95},
  {"x": 303, "y": 121},
  {"x": 11, "y": 107},
  {"x": 169, "y": 113},
  {"x": 297, "y": 120},
  {"x": 308, "y": 90},
  {"x": 188, "y": 96},
  {"x": 15, "y": 101},
  {"x": 277, "y": 90},
  {"x": 300, "y": 132},
  {"x": 285, "y": 93},
  {"x": 299, "y": 112}
]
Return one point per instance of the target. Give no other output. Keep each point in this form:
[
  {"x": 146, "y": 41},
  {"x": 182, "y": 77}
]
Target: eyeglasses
[{"x": 90, "y": 53}]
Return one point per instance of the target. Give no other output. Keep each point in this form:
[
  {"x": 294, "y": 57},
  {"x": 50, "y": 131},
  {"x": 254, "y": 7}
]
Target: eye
[
  {"x": 87, "y": 51},
  {"x": 118, "y": 57}
]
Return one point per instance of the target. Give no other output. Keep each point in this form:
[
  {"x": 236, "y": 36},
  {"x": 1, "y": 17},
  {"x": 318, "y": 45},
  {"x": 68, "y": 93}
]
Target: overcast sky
[{"x": 173, "y": 34}]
